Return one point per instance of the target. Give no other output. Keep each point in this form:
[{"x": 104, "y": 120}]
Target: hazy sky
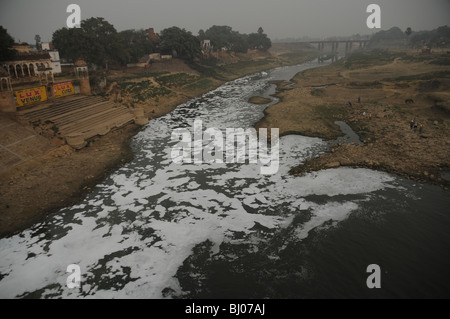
[{"x": 279, "y": 18}]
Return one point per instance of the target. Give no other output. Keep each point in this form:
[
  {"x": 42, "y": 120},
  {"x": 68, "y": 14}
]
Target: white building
[
  {"x": 54, "y": 57},
  {"x": 56, "y": 62},
  {"x": 45, "y": 46}
]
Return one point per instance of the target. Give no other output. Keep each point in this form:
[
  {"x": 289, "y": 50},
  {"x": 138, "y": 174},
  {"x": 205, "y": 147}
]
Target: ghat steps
[{"x": 81, "y": 118}]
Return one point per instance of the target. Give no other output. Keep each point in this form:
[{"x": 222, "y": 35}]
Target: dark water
[
  {"x": 349, "y": 135},
  {"x": 156, "y": 229},
  {"x": 410, "y": 241}
]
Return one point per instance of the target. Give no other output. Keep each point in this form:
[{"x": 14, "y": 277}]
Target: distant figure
[
  {"x": 409, "y": 101},
  {"x": 415, "y": 127},
  {"x": 350, "y": 104},
  {"x": 411, "y": 124},
  {"x": 359, "y": 100},
  {"x": 421, "y": 128}
]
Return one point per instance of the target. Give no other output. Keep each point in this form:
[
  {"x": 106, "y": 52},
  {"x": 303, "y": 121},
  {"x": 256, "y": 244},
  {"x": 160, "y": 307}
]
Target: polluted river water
[{"x": 156, "y": 229}]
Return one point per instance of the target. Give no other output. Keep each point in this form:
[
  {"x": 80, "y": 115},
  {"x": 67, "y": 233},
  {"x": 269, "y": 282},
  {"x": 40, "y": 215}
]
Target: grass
[
  {"x": 318, "y": 92},
  {"x": 364, "y": 59},
  {"x": 144, "y": 90},
  {"x": 202, "y": 84},
  {"x": 176, "y": 80},
  {"x": 332, "y": 112},
  {"x": 423, "y": 77},
  {"x": 245, "y": 67},
  {"x": 366, "y": 85}
]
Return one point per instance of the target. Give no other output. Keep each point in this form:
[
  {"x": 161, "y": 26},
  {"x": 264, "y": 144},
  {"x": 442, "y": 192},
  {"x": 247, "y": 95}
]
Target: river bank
[
  {"x": 377, "y": 94},
  {"x": 59, "y": 178},
  {"x": 156, "y": 229}
]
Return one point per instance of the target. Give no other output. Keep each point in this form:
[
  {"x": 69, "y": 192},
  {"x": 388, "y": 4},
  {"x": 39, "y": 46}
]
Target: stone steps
[
  {"x": 82, "y": 118},
  {"x": 60, "y": 108},
  {"x": 76, "y": 115},
  {"x": 93, "y": 120}
]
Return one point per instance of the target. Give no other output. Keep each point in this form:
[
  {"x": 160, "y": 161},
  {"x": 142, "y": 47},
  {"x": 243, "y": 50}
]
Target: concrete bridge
[{"x": 349, "y": 45}]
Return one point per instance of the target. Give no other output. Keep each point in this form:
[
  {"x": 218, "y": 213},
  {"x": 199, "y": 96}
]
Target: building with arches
[{"x": 28, "y": 64}]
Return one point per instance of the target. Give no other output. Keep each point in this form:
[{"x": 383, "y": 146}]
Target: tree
[
  {"x": 71, "y": 43},
  {"x": 103, "y": 42},
  {"x": 181, "y": 41},
  {"x": 38, "y": 42},
  {"x": 97, "y": 42},
  {"x": 225, "y": 37},
  {"x": 239, "y": 43},
  {"x": 6, "y": 45},
  {"x": 408, "y": 31},
  {"x": 136, "y": 43},
  {"x": 259, "y": 40}
]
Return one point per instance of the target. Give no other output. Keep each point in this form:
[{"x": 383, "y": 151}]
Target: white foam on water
[{"x": 132, "y": 234}]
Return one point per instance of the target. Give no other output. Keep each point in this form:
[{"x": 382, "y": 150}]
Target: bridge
[{"x": 349, "y": 45}]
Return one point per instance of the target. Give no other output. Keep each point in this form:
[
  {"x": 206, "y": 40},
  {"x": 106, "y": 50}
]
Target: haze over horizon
[{"x": 280, "y": 19}]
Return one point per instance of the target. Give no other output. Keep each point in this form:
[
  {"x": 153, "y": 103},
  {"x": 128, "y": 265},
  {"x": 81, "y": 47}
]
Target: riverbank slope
[
  {"x": 378, "y": 93},
  {"x": 60, "y": 177}
]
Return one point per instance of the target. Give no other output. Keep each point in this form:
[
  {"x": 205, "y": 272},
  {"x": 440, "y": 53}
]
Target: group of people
[{"x": 414, "y": 125}]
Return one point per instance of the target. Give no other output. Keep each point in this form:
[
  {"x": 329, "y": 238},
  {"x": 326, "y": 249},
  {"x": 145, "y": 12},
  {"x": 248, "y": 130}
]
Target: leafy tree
[
  {"x": 181, "y": 42},
  {"x": 220, "y": 36},
  {"x": 38, "y": 42},
  {"x": 438, "y": 37},
  {"x": 202, "y": 35},
  {"x": 71, "y": 43},
  {"x": 239, "y": 43},
  {"x": 259, "y": 40},
  {"x": 136, "y": 43},
  {"x": 6, "y": 44},
  {"x": 408, "y": 31},
  {"x": 225, "y": 37},
  {"x": 104, "y": 42},
  {"x": 97, "y": 41}
]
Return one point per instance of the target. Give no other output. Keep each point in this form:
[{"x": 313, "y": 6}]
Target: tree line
[
  {"x": 439, "y": 37},
  {"x": 98, "y": 42}
]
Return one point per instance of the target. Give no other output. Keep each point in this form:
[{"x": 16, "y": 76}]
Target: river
[{"x": 156, "y": 229}]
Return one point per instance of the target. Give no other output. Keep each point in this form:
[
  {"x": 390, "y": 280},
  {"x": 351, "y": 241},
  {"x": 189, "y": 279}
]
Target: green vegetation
[
  {"x": 181, "y": 42},
  {"x": 244, "y": 67},
  {"x": 364, "y": 59},
  {"x": 6, "y": 44},
  {"x": 259, "y": 40},
  {"x": 175, "y": 80},
  {"x": 137, "y": 44},
  {"x": 332, "y": 112},
  {"x": 366, "y": 85},
  {"x": 295, "y": 57},
  {"x": 101, "y": 43},
  {"x": 318, "y": 92},
  {"x": 142, "y": 91},
  {"x": 439, "y": 37},
  {"x": 423, "y": 76},
  {"x": 203, "y": 84}
]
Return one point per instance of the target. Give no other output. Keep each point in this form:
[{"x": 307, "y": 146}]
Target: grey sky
[{"x": 279, "y": 18}]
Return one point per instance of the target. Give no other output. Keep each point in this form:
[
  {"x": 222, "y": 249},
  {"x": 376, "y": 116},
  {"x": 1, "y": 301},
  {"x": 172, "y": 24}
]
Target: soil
[
  {"x": 58, "y": 178},
  {"x": 62, "y": 176},
  {"x": 259, "y": 100},
  {"x": 372, "y": 100}
]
